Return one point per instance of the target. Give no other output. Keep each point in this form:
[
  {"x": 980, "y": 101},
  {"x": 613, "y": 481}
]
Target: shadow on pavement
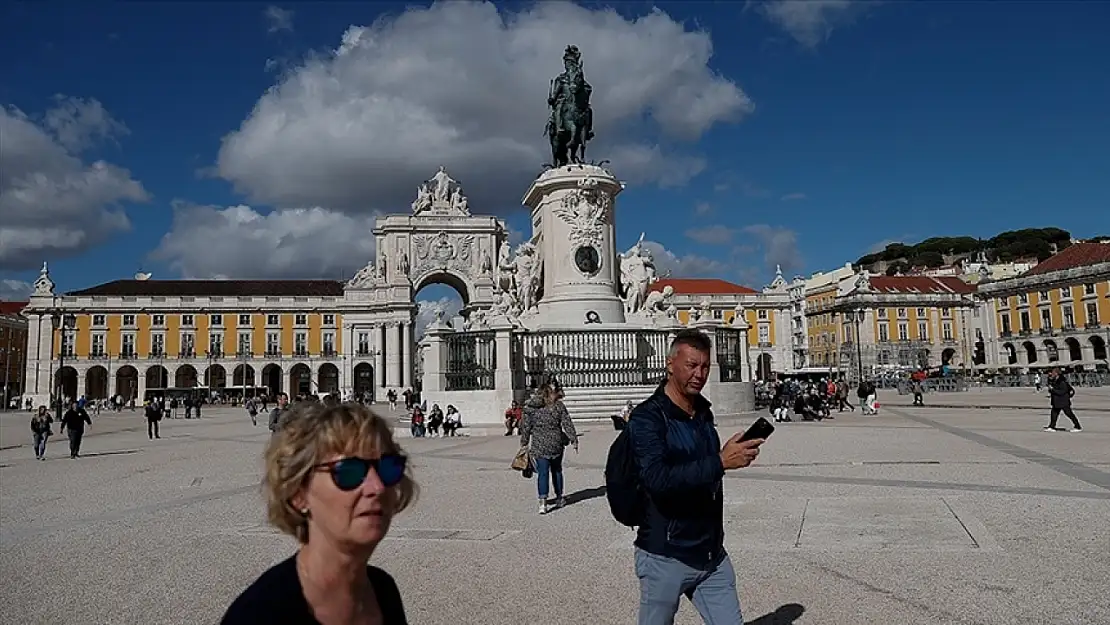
[
  {"x": 585, "y": 494},
  {"x": 784, "y": 615}
]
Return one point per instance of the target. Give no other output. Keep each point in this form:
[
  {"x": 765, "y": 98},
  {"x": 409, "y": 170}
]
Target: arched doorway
[
  {"x": 1099, "y": 346},
  {"x": 185, "y": 377},
  {"x": 1011, "y": 353},
  {"x": 271, "y": 378},
  {"x": 215, "y": 377},
  {"x": 1030, "y": 352},
  {"x": 327, "y": 379},
  {"x": 300, "y": 379},
  {"x": 946, "y": 357},
  {"x": 66, "y": 377},
  {"x": 763, "y": 366},
  {"x": 364, "y": 380},
  {"x": 1051, "y": 351},
  {"x": 242, "y": 376},
  {"x": 1075, "y": 350},
  {"x": 127, "y": 382},
  {"x": 157, "y": 379},
  {"x": 96, "y": 383}
]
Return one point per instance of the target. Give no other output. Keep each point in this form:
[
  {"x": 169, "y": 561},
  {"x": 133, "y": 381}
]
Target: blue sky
[{"x": 239, "y": 143}]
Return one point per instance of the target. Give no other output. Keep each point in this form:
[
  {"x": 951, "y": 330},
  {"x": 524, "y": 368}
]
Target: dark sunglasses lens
[
  {"x": 349, "y": 473},
  {"x": 391, "y": 469}
]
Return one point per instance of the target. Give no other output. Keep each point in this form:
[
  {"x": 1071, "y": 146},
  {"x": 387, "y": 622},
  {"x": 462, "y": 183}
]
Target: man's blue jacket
[{"x": 679, "y": 459}]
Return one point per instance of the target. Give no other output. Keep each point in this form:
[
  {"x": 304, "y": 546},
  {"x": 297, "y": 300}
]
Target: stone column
[
  {"x": 435, "y": 360},
  {"x": 82, "y": 375},
  {"x": 379, "y": 344},
  {"x": 142, "y": 385},
  {"x": 503, "y": 373},
  {"x": 392, "y": 355},
  {"x": 406, "y": 354}
]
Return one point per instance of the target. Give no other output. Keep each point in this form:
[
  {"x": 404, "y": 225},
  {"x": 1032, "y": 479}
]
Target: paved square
[{"x": 920, "y": 515}]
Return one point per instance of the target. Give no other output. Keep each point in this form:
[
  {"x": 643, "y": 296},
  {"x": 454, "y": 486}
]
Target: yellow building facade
[{"x": 1056, "y": 314}]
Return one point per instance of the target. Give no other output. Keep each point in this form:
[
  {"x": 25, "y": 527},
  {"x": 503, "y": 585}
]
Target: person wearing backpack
[{"x": 664, "y": 476}]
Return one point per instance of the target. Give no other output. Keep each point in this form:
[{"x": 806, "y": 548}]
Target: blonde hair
[{"x": 307, "y": 435}]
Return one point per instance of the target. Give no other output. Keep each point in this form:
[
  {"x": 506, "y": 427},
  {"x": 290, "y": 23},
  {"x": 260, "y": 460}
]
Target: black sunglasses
[{"x": 349, "y": 473}]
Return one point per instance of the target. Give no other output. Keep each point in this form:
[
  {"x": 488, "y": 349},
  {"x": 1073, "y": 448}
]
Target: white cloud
[
  {"x": 703, "y": 208},
  {"x": 711, "y": 235},
  {"x": 811, "y": 22},
  {"x": 426, "y": 312},
  {"x": 51, "y": 203},
  {"x": 463, "y": 85},
  {"x": 240, "y": 242},
  {"x": 780, "y": 247},
  {"x": 14, "y": 290},
  {"x": 793, "y": 197},
  {"x": 278, "y": 19},
  {"x": 667, "y": 263}
]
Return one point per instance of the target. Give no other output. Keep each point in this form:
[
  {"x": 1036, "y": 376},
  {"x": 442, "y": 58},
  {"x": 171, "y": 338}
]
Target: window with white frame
[
  {"x": 1043, "y": 296},
  {"x": 129, "y": 320},
  {"x": 187, "y": 321},
  {"x": 188, "y": 344},
  {"x": 157, "y": 320},
  {"x": 1046, "y": 318},
  {"x": 363, "y": 343},
  {"x": 244, "y": 343},
  {"x": 67, "y": 344},
  {"x": 1069, "y": 317},
  {"x": 946, "y": 330},
  {"x": 329, "y": 320},
  {"x": 244, "y": 320},
  {"x": 301, "y": 319},
  {"x": 946, "y": 313},
  {"x": 922, "y": 331},
  {"x": 1024, "y": 319},
  {"x": 329, "y": 342},
  {"x": 98, "y": 321},
  {"x": 216, "y": 345},
  {"x": 1089, "y": 289},
  {"x": 216, "y": 321},
  {"x": 127, "y": 345},
  {"x": 97, "y": 345},
  {"x": 1023, "y": 298},
  {"x": 273, "y": 343},
  {"x": 1092, "y": 312},
  {"x": 158, "y": 344},
  {"x": 882, "y": 313},
  {"x": 884, "y": 333},
  {"x": 903, "y": 332},
  {"x": 902, "y": 313},
  {"x": 761, "y": 313},
  {"x": 273, "y": 320},
  {"x": 300, "y": 343},
  {"x": 764, "y": 333},
  {"x": 1065, "y": 292},
  {"x": 920, "y": 312}
]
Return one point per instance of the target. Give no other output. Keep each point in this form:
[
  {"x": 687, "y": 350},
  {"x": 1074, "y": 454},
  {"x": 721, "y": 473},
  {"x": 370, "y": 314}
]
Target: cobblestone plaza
[{"x": 928, "y": 515}]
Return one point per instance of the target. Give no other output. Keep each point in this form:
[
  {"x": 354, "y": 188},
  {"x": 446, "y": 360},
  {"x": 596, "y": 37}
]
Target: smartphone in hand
[{"x": 762, "y": 428}]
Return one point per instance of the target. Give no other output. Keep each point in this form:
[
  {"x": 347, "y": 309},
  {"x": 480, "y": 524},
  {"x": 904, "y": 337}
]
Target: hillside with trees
[{"x": 934, "y": 252}]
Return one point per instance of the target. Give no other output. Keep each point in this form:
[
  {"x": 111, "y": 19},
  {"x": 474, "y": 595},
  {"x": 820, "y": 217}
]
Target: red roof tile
[
  {"x": 11, "y": 308},
  {"x": 215, "y": 288},
  {"x": 920, "y": 284},
  {"x": 700, "y": 286},
  {"x": 1077, "y": 255}
]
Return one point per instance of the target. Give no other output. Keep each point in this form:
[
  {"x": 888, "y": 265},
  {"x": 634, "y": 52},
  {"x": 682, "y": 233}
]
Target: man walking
[
  {"x": 278, "y": 411},
  {"x": 153, "y": 416},
  {"x": 1060, "y": 392},
  {"x": 73, "y": 421},
  {"x": 680, "y": 542}
]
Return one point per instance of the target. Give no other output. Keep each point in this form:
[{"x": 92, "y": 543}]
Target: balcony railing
[
  {"x": 244, "y": 353},
  {"x": 98, "y": 356},
  {"x": 1005, "y": 334},
  {"x": 186, "y": 353},
  {"x": 156, "y": 354},
  {"x": 215, "y": 353},
  {"x": 126, "y": 355},
  {"x": 1025, "y": 332},
  {"x": 1091, "y": 325},
  {"x": 328, "y": 352},
  {"x": 273, "y": 353},
  {"x": 363, "y": 351},
  {"x": 300, "y": 353}
]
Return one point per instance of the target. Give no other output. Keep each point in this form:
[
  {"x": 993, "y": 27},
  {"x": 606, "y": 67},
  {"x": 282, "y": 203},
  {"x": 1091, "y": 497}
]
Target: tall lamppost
[
  {"x": 63, "y": 322},
  {"x": 857, "y": 317}
]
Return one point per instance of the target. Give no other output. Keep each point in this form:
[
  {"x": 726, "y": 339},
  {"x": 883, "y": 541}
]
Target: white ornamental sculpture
[
  {"x": 43, "y": 285},
  {"x": 586, "y": 209},
  {"x": 441, "y": 195},
  {"x": 365, "y": 278},
  {"x": 637, "y": 275}
]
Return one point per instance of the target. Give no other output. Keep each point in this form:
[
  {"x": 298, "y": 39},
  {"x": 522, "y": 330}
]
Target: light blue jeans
[
  {"x": 40, "y": 444},
  {"x": 546, "y": 467},
  {"x": 663, "y": 581}
]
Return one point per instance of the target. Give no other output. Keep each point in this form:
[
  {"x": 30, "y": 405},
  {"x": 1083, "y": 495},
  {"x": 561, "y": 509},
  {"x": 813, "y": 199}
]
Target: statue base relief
[{"x": 572, "y": 219}]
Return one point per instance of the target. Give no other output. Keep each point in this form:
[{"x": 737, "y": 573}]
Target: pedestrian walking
[
  {"x": 546, "y": 431},
  {"x": 279, "y": 411},
  {"x": 680, "y": 548},
  {"x": 73, "y": 421},
  {"x": 153, "y": 417},
  {"x": 41, "y": 431},
  {"x": 1060, "y": 392}
]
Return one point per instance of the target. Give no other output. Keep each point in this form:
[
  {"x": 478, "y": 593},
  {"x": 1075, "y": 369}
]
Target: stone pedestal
[{"x": 572, "y": 222}]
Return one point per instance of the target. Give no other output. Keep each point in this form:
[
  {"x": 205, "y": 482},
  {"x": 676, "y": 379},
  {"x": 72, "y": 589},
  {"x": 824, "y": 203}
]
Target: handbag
[{"x": 522, "y": 460}]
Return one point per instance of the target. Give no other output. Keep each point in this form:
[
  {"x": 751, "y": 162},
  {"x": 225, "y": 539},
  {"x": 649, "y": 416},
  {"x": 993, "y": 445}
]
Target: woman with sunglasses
[{"x": 334, "y": 479}]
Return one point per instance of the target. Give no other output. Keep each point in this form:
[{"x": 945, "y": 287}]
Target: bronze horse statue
[{"x": 570, "y": 125}]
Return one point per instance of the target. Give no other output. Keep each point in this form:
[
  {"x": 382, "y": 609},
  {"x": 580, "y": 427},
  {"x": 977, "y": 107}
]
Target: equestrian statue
[{"x": 570, "y": 125}]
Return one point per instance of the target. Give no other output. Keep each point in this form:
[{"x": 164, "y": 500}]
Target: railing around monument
[
  {"x": 591, "y": 358},
  {"x": 471, "y": 361},
  {"x": 730, "y": 345}
]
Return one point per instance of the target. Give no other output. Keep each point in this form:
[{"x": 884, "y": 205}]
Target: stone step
[{"x": 586, "y": 404}]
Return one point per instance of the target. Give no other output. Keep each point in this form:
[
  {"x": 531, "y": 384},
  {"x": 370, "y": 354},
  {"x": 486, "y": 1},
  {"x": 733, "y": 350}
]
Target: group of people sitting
[
  {"x": 815, "y": 400},
  {"x": 435, "y": 423}
]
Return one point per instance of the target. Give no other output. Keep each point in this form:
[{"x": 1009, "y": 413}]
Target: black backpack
[{"x": 627, "y": 500}]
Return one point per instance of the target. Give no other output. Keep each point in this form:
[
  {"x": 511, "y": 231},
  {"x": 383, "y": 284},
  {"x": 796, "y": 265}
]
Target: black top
[
  {"x": 277, "y": 598},
  {"x": 75, "y": 419}
]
